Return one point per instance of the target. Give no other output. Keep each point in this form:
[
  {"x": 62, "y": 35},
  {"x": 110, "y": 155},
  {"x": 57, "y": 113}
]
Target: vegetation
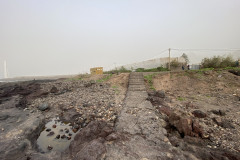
[
  {"x": 149, "y": 79},
  {"x": 185, "y": 57},
  {"x": 120, "y": 70},
  {"x": 158, "y": 69},
  {"x": 175, "y": 64},
  {"x": 105, "y": 78},
  {"x": 218, "y": 62},
  {"x": 181, "y": 99}
]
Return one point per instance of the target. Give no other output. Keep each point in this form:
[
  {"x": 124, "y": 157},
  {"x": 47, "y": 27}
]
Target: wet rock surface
[{"x": 27, "y": 106}]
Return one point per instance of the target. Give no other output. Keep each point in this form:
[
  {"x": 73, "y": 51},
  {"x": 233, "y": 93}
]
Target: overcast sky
[{"x": 52, "y": 37}]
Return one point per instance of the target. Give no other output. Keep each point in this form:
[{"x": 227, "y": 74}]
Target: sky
[{"x": 57, "y": 37}]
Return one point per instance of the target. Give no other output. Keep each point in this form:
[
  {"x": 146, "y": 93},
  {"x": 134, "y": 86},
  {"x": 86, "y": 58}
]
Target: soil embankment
[{"x": 200, "y": 110}]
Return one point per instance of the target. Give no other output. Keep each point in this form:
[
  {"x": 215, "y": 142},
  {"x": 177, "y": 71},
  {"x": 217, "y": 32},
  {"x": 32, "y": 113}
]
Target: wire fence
[{"x": 162, "y": 58}]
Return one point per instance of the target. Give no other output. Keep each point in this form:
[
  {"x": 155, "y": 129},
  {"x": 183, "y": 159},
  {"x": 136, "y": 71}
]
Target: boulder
[
  {"x": 186, "y": 125},
  {"x": 164, "y": 109},
  {"x": 199, "y": 114}
]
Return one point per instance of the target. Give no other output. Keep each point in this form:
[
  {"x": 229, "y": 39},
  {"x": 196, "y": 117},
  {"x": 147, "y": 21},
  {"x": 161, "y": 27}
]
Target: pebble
[
  {"x": 54, "y": 126},
  {"x": 48, "y": 129},
  {"x": 50, "y": 133},
  {"x": 58, "y": 136},
  {"x": 49, "y": 147},
  {"x": 63, "y": 136}
]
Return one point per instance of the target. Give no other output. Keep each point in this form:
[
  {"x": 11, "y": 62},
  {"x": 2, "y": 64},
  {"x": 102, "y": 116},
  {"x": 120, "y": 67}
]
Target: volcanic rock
[{"x": 199, "y": 114}]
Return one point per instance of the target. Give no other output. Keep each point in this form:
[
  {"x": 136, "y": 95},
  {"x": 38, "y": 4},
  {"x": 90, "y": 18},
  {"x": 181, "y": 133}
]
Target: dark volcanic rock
[
  {"x": 50, "y": 147},
  {"x": 89, "y": 143},
  {"x": 185, "y": 125},
  {"x": 164, "y": 109},
  {"x": 219, "y": 112},
  {"x": 54, "y": 90},
  {"x": 199, "y": 114},
  {"x": 223, "y": 122},
  {"x": 160, "y": 94},
  {"x": 50, "y": 133},
  {"x": 236, "y": 72},
  {"x": 48, "y": 130}
]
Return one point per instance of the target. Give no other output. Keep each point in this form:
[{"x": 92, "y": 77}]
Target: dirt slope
[{"x": 201, "y": 111}]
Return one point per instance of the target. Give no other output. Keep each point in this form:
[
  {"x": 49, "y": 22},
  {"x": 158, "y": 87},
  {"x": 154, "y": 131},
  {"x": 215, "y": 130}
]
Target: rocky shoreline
[{"x": 27, "y": 106}]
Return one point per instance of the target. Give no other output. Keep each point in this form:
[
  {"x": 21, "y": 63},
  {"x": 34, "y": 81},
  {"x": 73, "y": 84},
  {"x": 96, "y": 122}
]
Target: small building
[{"x": 96, "y": 70}]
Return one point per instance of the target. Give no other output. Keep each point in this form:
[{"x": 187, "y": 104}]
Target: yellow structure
[{"x": 96, "y": 70}]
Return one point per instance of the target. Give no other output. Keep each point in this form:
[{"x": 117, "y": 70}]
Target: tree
[{"x": 185, "y": 57}]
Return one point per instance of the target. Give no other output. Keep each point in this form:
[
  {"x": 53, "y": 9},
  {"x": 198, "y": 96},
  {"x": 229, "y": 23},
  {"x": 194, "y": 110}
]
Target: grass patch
[
  {"x": 158, "y": 69},
  {"x": 181, "y": 99},
  {"x": 117, "y": 91},
  {"x": 114, "y": 87},
  {"x": 232, "y": 68},
  {"x": 149, "y": 79},
  {"x": 105, "y": 78}
]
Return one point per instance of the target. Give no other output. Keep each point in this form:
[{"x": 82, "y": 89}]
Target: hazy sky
[{"x": 51, "y": 37}]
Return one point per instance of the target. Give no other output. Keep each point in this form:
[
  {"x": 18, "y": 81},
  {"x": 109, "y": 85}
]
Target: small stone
[
  {"x": 74, "y": 130},
  {"x": 50, "y": 133},
  {"x": 76, "y": 126},
  {"x": 63, "y": 136},
  {"x": 169, "y": 155},
  {"x": 2, "y": 129},
  {"x": 54, "y": 126},
  {"x": 54, "y": 90},
  {"x": 69, "y": 137},
  {"x": 217, "y": 120},
  {"x": 49, "y": 147},
  {"x": 61, "y": 130},
  {"x": 58, "y": 136},
  {"x": 43, "y": 107},
  {"x": 48, "y": 129},
  {"x": 165, "y": 139}
]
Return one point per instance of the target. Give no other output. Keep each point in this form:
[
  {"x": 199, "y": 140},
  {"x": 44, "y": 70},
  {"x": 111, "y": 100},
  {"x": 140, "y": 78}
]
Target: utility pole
[{"x": 169, "y": 59}]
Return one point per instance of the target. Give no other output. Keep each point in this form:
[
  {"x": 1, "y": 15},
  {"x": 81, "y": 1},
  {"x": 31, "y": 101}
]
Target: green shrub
[
  {"x": 120, "y": 70},
  {"x": 149, "y": 79},
  {"x": 218, "y": 62},
  {"x": 105, "y": 78},
  {"x": 140, "y": 70},
  {"x": 175, "y": 64}
]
